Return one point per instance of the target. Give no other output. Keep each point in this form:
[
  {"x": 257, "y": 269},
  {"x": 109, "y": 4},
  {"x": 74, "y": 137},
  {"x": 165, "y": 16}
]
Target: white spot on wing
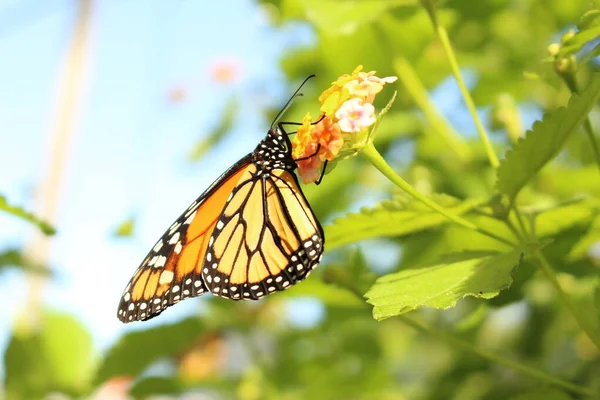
[
  {"x": 160, "y": 262},
  {"x": 175, "y": 238},
  {"x": 178, "y": 248},
  {"x": 165, "y": 277},
  {"x": 190, "y": 218}
]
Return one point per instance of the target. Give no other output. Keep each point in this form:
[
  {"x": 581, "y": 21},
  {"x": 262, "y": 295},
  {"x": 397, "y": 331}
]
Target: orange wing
[
  {"x": 172, "y": 270},
  {"x": 266, "y": 239}
]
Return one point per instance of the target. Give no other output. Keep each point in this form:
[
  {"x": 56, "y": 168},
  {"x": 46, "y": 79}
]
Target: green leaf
[
  {"x": 26, "y": 370},
  {"x": 27, "y": 216},
  {"x": 590, "y": 19},
  {"x": 543, "y": 394},
  {"x": 553, "y": 221},
  {"x": 580, "y": 250},
  {"x": 336, "y": 17},
  {"x": 135, "y": 351},
  {"x": 125, "y": 228},
  {"x": 218, "y": 133},
  {"x": 545, "y": 140},
  {"x": 589, "y": 30},
  {"x": 58, "y": 358},
  {"x": 442, "y": 285},
  {"x": 68, "y": 346},
  {"x": 393, "y": 219},
  {"x": 15, "y": 259}
]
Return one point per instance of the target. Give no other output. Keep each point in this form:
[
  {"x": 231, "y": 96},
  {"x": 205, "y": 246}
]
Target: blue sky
[{"x": 128, "y": 155}]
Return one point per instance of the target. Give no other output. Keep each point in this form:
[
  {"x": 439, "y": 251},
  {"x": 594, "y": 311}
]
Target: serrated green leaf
[
  {"x": 442, "y": 285},
  {"x": 27, "y": 216},
  {"x": 393, "y": 219},
  {"x": 545, "y": 140},
  {"x": 135, "y": 351}
]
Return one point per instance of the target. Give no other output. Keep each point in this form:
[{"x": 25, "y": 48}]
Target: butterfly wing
[
  {"x": 171, "y": 271},
  {"x": 266, "y": 239}
]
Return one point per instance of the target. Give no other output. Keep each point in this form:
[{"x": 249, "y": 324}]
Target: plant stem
[
  {"x": 514, "y": 229},
  {"x": 520, "y": 220},
  {"x": 566, "y": 300},
  {"x": 568, "y": 77},
  {"x": 443, "y": 36},
  {"x": 527, "y": 370},
  {"x": 441, "y": 126},
  {"x": 371, "y": 153},
  {"x": 587, "y": 126}
]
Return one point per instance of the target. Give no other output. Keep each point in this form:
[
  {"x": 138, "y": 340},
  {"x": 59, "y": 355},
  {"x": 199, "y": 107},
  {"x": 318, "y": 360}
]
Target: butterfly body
[{"x": 249, "y": 234}]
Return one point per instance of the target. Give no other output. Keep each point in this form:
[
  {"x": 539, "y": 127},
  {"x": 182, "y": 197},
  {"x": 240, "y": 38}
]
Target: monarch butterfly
[{"x": 251, "y": 233}]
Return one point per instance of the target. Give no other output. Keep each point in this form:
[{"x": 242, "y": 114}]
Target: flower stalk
[{"x": 442, "y": 34}]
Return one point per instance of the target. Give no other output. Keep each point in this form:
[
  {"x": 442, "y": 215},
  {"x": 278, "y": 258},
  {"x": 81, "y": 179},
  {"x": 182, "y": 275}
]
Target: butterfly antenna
[{"x": 289, "y": 102}]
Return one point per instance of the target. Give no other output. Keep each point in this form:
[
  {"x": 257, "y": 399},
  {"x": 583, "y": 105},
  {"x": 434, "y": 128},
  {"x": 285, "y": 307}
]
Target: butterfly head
[{"x": 275, "y": 150}]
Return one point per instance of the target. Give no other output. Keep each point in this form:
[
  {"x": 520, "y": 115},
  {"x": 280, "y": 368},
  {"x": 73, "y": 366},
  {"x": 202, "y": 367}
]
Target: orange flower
[
  {"x": 347, "y": 115},
  {"x": 309, "y": 168},
  {"x": 368, "y": 85},
  {"x": 330, "y": 138},
  {"x": 303, "y": 138},
  {"x": 338, "y": 93}
]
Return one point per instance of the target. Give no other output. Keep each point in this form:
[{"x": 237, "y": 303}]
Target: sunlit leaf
[
  {"x": 21, "y": 213},
  {"x": 556, "y": 220},
  {"x": 589, "y": 30},
  {"x": 68, "y": 345},
  {"x": 57, "y": 358},
  {"x": 135, "y": 351},
  {"x": 545, "y": 140},
  {"x": 581, "y": 249},
  {"x": 442, "y": 285},
  {"x": 392, "y": 218}
]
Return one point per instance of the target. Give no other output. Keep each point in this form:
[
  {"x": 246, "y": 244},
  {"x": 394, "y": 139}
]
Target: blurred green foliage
[{"x": 468, "y": 316}]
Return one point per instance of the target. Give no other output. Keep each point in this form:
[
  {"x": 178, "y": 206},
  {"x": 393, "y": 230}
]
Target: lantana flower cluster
[{"x": 346, "y": 111}]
